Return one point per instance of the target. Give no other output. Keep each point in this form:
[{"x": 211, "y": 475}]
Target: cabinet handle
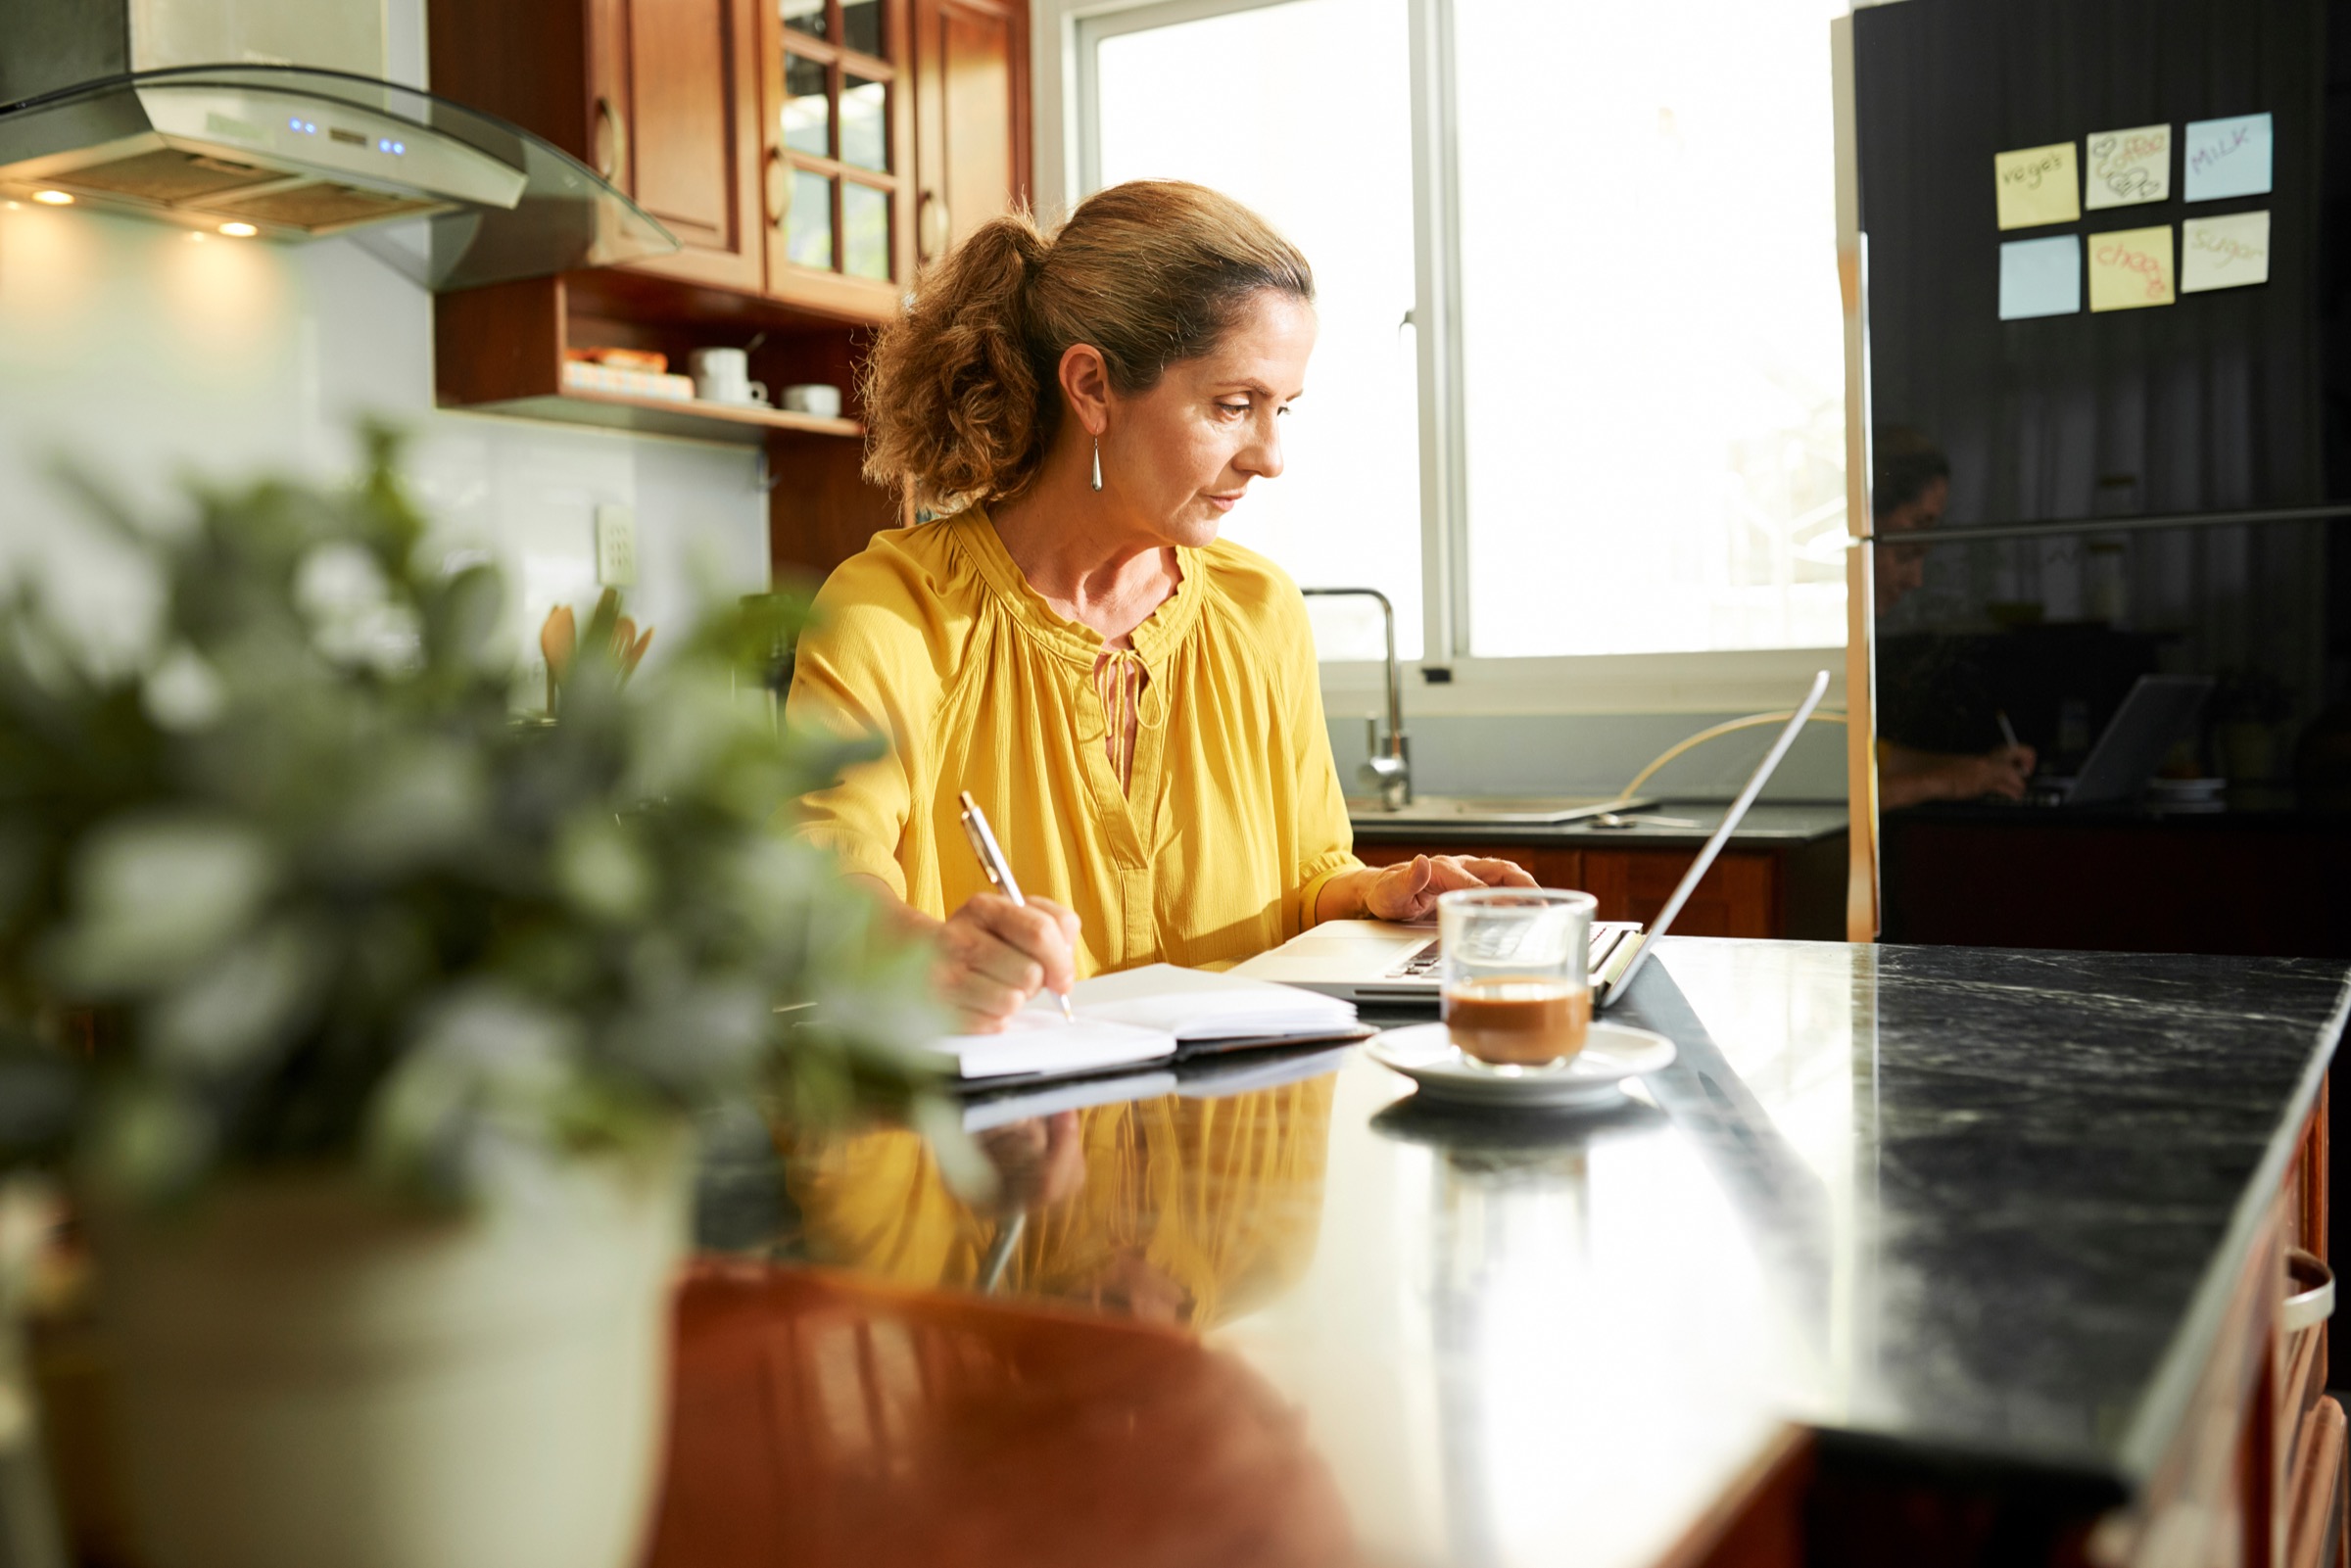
[
  {"x": 611, "y": 140},
  {"x": 931, "y": 227},
  {"x": 2312, "y": 1300},
  {"x": 779, "y": 188}
]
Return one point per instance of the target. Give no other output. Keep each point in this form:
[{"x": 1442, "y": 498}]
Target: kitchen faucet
[{"x": 1388, "y": 770}]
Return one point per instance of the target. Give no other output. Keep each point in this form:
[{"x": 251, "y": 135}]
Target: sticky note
[
  {"x": 2129, "y": 167},
  {"x": 2226, "y": 157},
  {"x": 2223, "y": 253},
  {"x": 2037, "y": 185},
  {"x": 2130, "y": 268},
  {"x": 2041, "y": 277}
]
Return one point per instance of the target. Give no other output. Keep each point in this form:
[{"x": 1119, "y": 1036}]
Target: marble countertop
[
  {"x": 1767, "y": 826},
  {"x": 1974, "y": 1205}
]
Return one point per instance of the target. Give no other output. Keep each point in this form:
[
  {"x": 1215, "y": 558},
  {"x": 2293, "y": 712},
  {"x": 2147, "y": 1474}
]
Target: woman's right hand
[
  {"x": 2003, "y": 771},
  {"x": 995, "y": 955}
]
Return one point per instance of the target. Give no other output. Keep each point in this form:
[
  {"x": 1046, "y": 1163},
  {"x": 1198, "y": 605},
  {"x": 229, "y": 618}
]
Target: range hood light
[{"x": 289, "y": 153}]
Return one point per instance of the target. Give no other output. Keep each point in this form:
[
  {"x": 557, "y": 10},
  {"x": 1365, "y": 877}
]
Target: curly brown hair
[{"x": 961, "y": 392}]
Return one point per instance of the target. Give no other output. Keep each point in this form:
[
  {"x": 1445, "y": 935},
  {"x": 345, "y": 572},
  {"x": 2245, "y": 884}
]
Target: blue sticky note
[
  {"x": 2041, "y": 277},
  {"x": 2226, "y": 157}
]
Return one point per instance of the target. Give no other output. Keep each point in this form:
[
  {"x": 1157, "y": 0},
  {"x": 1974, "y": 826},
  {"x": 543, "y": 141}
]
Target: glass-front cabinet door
[{"x": 840, "y": 140}]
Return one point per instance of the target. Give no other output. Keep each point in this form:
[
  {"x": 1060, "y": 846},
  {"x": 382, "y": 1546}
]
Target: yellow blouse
[
  {"x": 1219, "y": 1201},
  {"x": 1230, "y": 821}
]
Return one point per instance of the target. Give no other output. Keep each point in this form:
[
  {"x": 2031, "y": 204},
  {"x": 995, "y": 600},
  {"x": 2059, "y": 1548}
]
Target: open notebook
[{"x": 1159, "y": 1013}]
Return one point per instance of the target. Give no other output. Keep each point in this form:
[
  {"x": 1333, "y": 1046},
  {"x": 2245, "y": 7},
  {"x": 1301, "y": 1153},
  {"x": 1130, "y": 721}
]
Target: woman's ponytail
[
  {"x": 951, "y": 388},
  {"x": 961, "y": 392}
]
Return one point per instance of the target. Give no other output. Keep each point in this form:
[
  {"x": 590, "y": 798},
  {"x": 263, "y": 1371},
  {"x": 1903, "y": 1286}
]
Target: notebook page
[
  {"x": 1198, "y": 1005},
  {"x": 1034, "y": 1041}
]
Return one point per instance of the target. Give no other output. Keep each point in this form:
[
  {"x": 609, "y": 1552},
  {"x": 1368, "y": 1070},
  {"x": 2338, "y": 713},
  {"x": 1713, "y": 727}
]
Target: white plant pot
[{"x": 308, "y": 1376}]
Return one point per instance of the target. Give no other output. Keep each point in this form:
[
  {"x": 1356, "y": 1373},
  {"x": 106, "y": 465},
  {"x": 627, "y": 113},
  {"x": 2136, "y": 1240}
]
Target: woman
[
  {"x": 1929, "y": 709},
  {"x": 1132, "y": 701}
]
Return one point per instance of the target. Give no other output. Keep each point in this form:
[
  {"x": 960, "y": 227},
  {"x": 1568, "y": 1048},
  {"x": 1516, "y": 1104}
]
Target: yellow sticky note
[
  {"x": 2130, "y": 269},
  {"x": 2037, "y": 185}
]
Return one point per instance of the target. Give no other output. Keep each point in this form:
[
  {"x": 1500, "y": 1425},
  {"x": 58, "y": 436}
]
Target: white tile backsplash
[{"x": 144, "y": 356}]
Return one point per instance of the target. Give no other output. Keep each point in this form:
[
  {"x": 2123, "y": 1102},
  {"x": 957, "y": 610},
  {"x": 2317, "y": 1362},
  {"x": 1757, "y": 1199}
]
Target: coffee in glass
[{"x": 1516, "y": 988}]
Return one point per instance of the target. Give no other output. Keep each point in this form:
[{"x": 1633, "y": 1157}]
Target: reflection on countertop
[
  {"x": 1180, "y": 1209},
  {"x": 1956, "y": 1203}
]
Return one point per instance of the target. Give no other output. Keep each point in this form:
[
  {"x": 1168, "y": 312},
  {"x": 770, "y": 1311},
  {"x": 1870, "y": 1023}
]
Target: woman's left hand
[{"x": 1408, "y": 891}]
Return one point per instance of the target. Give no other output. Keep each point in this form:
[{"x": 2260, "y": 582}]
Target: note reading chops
[
  {"x": 2130, "y": 269},
  {"x": 2037, "y": 185},
  {"x": 2130, "y": 166},
  {"x": 2228, "y": 252},
  {"x": 2226, "y": 157}
]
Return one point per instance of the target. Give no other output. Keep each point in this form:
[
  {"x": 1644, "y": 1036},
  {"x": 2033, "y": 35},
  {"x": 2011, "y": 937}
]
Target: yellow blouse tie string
[{"x": 1123, "y": 682}]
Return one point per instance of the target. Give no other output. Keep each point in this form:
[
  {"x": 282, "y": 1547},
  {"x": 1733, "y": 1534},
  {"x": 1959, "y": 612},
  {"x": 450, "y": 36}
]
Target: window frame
[{"x": 1453, "y": 679}]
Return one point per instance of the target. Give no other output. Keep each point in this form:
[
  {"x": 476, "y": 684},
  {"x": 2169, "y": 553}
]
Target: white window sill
[{"x": 1755, "y": 682}]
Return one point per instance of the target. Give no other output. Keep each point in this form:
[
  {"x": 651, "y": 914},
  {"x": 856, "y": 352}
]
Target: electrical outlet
[{"x": 616, "y": 547}]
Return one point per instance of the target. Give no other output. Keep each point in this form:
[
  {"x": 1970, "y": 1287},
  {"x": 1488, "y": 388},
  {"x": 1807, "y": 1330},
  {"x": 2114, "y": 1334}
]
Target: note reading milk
[
  {"x": 2223, "y": 253},
  {"x": 2037, "y": 185},
  {"x": 2130, "y": 269},
  {"x": 2226, "y": 157},
  {"x": 2129, "y": 167},
  {"x": 2041, "y": 277}
]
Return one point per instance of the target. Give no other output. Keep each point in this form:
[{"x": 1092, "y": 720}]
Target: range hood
[{"x": 100, "y": 103}]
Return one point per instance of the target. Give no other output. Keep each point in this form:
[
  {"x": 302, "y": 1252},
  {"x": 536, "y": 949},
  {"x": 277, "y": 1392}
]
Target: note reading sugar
[{"x": 2228, "y": 251}]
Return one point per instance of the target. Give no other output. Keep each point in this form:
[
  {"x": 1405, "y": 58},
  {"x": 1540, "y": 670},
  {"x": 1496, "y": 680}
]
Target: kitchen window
[
  {"x": 1578, "y": 402},
  {"x": 1302, "y": 111}
]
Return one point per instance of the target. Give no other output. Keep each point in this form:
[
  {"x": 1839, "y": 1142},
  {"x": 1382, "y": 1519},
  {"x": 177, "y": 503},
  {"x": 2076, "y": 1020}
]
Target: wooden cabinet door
[
  {"x": 674, "y": 122},
  {"x": 660, "y": 96},
  {"x": 971, "y": 105},
  {"x": 838, "y": 154},
  {"x": 1738, "y": 896}
]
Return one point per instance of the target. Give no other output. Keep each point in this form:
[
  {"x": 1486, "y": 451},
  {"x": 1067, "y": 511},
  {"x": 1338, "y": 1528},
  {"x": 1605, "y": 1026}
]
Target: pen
[
  {"x": 2007, "y": 731},
  {"x": 992, "y": 861}
]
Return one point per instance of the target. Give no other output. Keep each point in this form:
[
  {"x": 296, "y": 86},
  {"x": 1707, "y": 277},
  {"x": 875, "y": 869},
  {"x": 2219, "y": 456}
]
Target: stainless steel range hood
[{"x": 94, "y": 108}]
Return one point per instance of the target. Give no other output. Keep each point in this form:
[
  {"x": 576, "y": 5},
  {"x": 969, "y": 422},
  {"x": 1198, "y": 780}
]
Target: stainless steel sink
[{"x": 1492, "y": 810}]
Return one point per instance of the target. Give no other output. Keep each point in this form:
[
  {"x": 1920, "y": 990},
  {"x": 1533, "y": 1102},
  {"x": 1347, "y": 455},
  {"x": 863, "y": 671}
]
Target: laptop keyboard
[
  {"x": 1420, "y": 966},
  {"x": 1422, "y": 963}
]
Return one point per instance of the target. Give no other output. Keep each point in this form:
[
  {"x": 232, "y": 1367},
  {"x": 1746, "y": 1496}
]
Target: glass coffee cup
[{"x": 1515, "y": 977}]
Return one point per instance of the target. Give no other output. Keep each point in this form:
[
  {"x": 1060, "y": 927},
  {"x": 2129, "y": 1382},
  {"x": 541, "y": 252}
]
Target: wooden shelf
[{"x": 663, "y": 416}]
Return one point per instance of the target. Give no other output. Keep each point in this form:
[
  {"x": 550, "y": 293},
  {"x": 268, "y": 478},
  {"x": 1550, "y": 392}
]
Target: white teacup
[
  {"x": 724, "y": 375},
  {"x": 814, "y": 397}
]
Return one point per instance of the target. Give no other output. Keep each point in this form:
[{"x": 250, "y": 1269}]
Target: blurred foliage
[{"x": 320, "y": 898}]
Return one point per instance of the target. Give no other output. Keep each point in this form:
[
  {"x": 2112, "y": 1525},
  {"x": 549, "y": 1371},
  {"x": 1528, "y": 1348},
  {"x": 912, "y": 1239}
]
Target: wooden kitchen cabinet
[
  {"x": 836, "y": 149},
  {"x": 791, "y": 146},
  {"x": 972, "y": 118},
  {"x": 969, "y": 63},
  {"x": 660, "y": 96},
  {"x": 1795, "y": 892}
]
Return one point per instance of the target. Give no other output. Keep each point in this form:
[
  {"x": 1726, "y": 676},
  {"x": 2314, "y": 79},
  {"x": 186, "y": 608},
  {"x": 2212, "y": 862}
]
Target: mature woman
[
  {"x": 1131, "y": 700},
  {"x": 1936, "y": 723}
]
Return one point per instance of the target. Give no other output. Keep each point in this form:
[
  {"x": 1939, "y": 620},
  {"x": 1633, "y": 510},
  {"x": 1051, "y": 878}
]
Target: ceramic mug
[
  {"x": 814, "y": 397},
  {"x": 724, "y": 375}
]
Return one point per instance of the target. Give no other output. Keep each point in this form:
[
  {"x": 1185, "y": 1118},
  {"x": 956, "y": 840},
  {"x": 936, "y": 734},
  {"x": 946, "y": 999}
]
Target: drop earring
[{"x": 1098, "y": 462}]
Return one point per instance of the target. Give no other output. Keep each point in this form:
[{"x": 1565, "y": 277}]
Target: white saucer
[{"x": 1614, "y": 1051}]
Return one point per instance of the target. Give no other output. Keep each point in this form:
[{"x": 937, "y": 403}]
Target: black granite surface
[{"x": 1956, "y": 1203}]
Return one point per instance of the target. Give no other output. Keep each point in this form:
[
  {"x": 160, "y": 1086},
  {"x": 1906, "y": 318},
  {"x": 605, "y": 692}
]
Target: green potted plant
[{"x": 363, "y": 1025}]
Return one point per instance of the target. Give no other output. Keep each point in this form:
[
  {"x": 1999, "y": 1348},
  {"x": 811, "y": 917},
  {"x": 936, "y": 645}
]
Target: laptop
[
  {"x": 2160, "y": 712},
  {"x": 1379, "y": 964}
]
